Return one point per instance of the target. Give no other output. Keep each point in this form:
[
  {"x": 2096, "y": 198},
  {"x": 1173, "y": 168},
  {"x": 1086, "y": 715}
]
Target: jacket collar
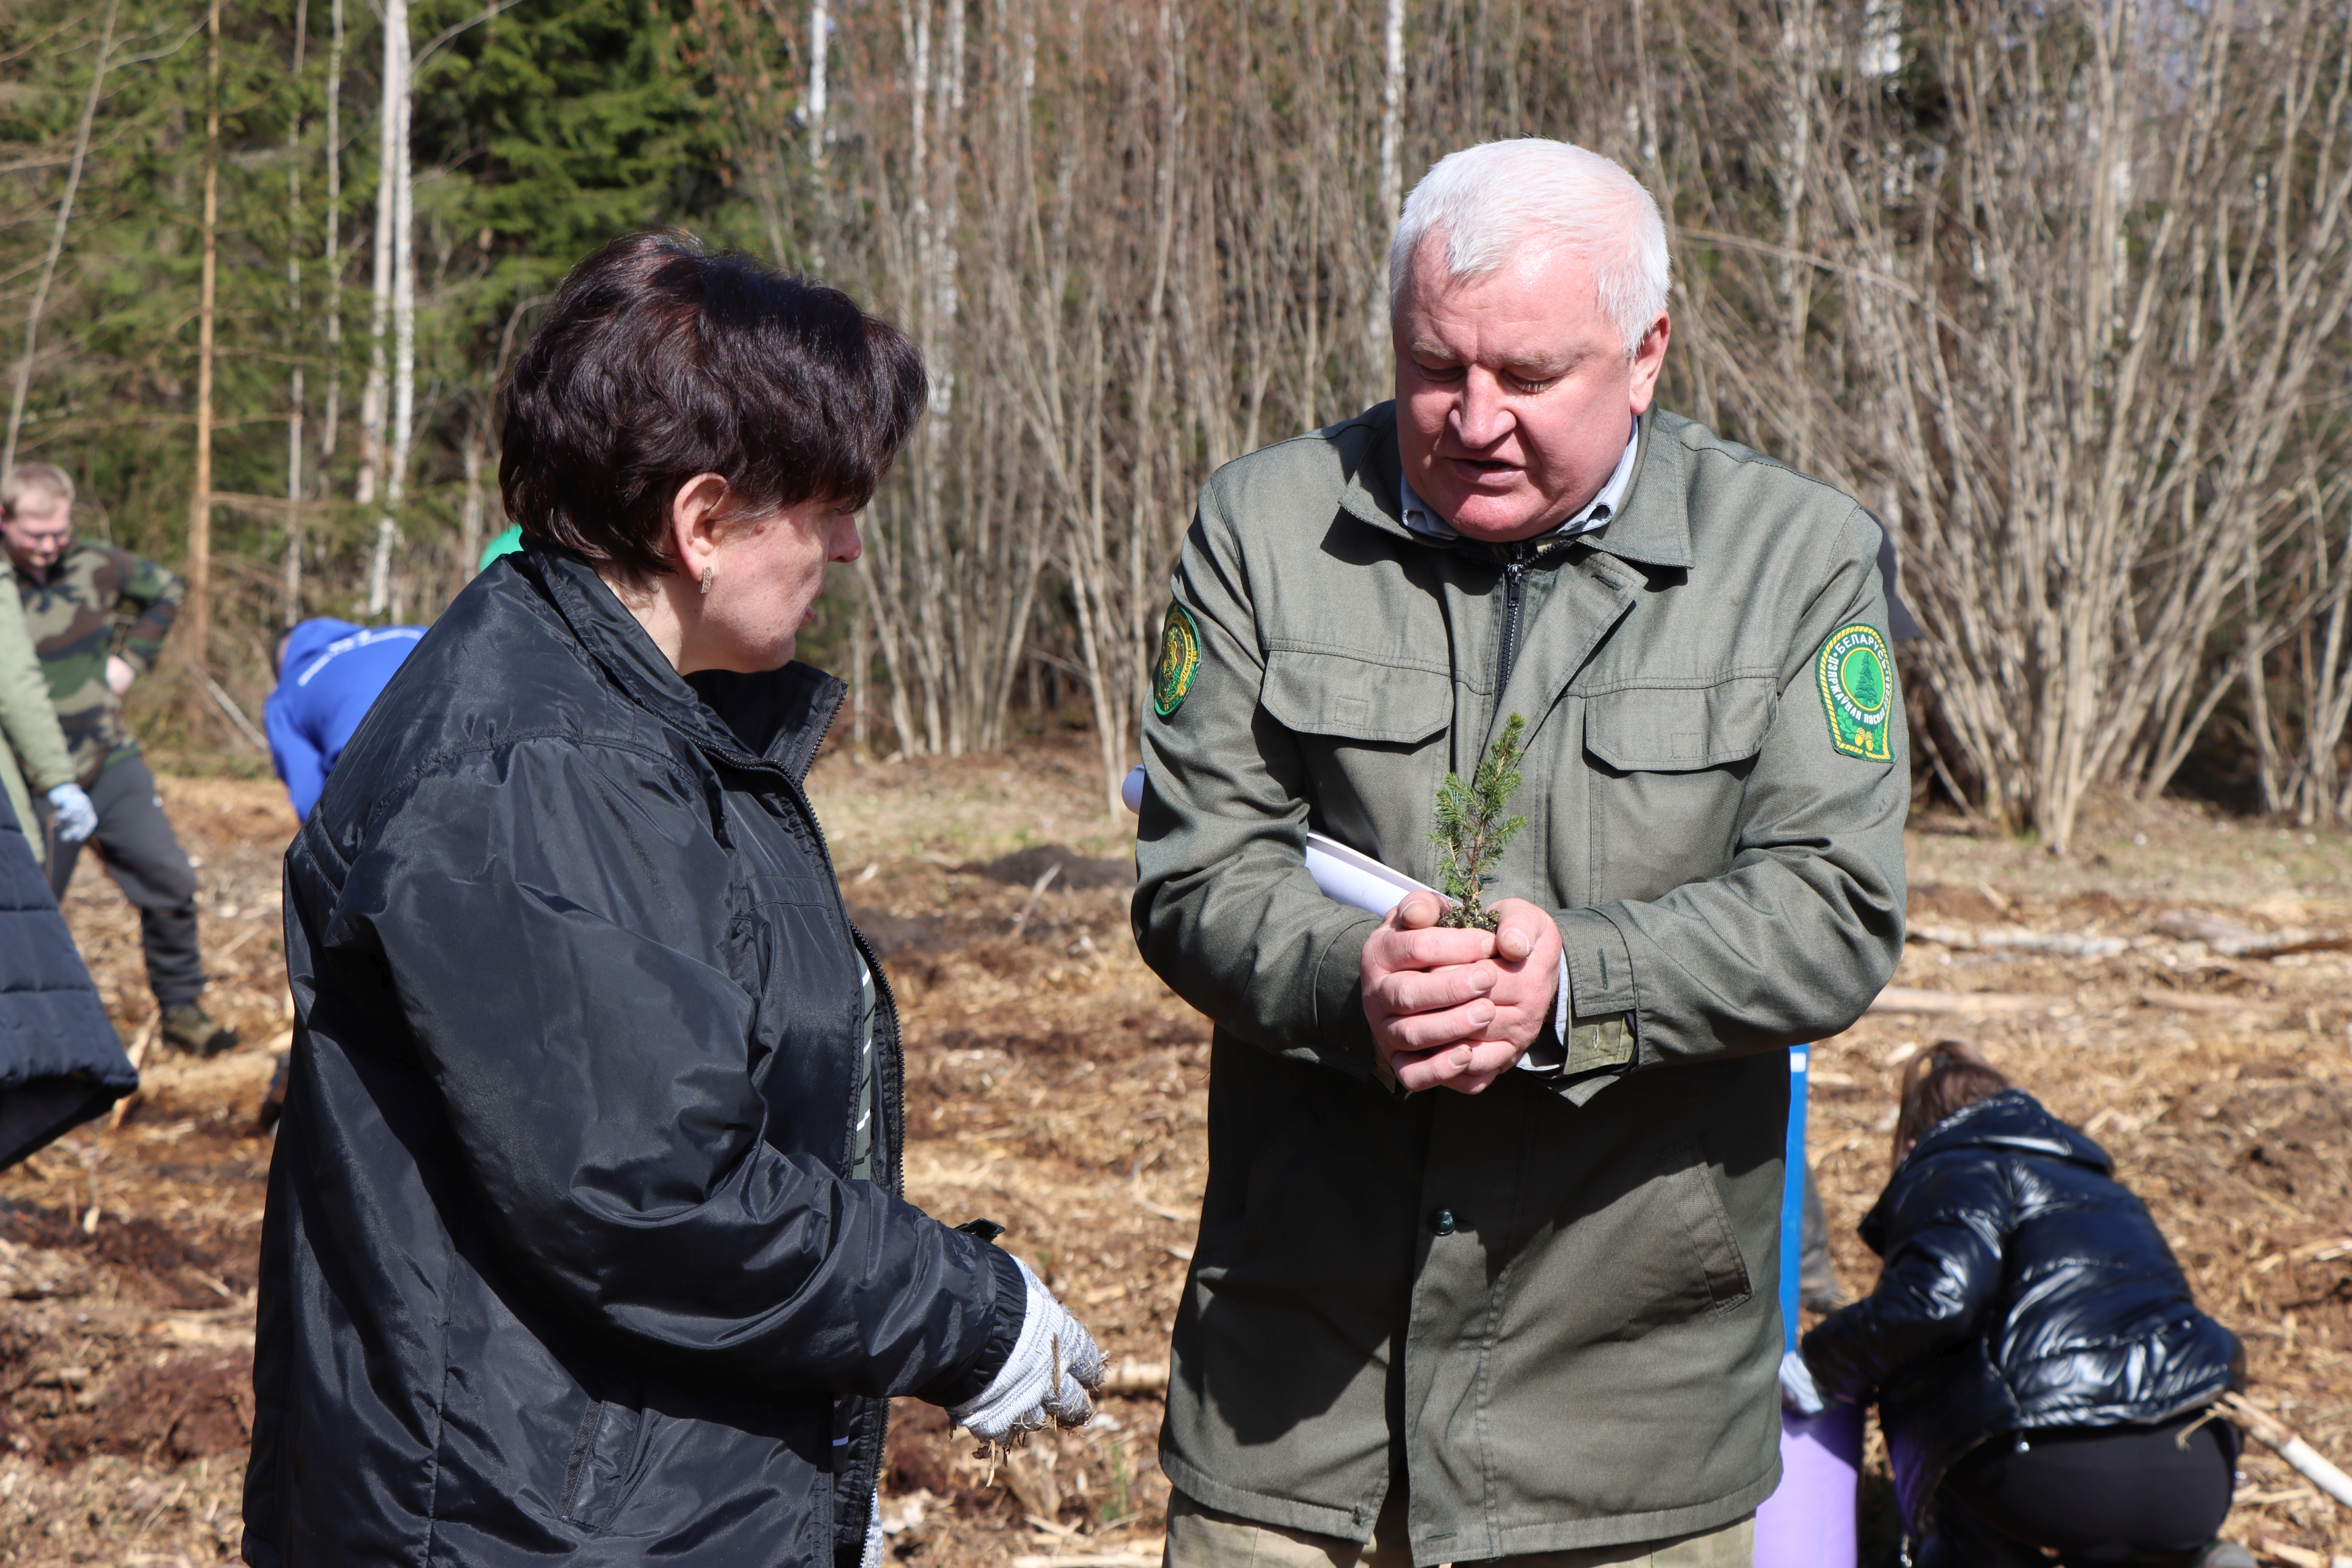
[
  {"x": 2012, "y": 1121},
  {"x": 1651, "y": 529},
  {"x": 777, "y": 718}
]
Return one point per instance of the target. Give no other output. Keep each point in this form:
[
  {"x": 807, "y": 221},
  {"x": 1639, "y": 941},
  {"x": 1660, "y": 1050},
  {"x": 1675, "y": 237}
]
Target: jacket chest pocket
[
  {"x": 1670, "y": 765},
  {"x": 1372, "y": 735}
]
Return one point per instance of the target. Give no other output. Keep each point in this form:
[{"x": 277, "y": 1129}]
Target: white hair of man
[
  {"x": 1490, "y": 200},
  {"x": 45, "y": 485}
]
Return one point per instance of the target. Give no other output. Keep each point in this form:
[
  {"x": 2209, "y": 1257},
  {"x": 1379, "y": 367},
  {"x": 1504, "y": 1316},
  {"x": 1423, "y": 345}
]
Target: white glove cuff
[
  {"x": 1798, "y": 1392},
  {"x": 1020, "y": 1385}
]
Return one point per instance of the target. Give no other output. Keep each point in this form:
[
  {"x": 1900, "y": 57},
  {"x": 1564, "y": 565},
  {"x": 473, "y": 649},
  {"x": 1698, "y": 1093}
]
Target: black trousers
[
  {"x": 2100, "y": 1495},
  {"x": 147, "y": 863}
]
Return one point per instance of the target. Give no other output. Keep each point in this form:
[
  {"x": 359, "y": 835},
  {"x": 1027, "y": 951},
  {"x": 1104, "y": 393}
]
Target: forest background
[{"x": 2056, "y": 287}]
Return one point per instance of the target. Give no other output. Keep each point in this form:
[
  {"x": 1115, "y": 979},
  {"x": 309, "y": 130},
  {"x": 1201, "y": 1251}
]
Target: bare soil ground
[{"x": 1056, "y": 1087}]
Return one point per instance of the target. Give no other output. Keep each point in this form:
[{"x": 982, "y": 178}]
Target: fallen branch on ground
[
  {"x": 1911, "y": 999},
  {"x": 138, "y": 1049},
  {"x": 1133, "y": 1376},
  {"x": 2189, "y": 1002},
  {"x": 2019, "y": 939},
  {"x": 2298, "y": 1556},
  {"x": 2231, "y": 940},
  {"x": 2299, "y": 1456}
]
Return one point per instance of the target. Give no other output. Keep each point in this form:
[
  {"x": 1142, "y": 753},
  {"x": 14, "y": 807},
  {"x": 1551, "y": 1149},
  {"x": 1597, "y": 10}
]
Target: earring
[{"x": 707, "y": 573}]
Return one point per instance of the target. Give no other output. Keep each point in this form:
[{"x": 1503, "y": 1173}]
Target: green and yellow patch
[
  {"x": 1178, "y": 661},
  {"x": 1856, "y": 692}
]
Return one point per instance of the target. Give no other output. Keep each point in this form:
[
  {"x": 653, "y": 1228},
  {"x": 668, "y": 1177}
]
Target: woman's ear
[{"x": 694, "y": 523}]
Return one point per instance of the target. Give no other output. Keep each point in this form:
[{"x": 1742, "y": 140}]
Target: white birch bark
[
  {"x": 330, "y": 418},
  {"x": 820, "y": 30},
  {"x": 57, "y": 236},
  {"x": 1379, "y": 372},
  {"x": 290, "y": 583},
  {"x": 391, "y": 119},
  {"x": 394, "y": 264}
]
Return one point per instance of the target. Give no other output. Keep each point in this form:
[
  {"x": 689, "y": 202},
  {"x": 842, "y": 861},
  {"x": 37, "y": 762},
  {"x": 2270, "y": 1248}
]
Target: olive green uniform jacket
[
  {"x": 30, "y": 741},
  {"x": 1550, "y": 1311}
]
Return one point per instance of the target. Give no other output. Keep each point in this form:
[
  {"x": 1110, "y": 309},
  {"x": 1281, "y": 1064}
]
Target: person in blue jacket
[{"x": 329, "y": 673}]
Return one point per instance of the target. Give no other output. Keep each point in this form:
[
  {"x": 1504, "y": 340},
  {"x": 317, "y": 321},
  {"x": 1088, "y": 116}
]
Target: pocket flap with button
[
  {"x": 1355, "y": 698},
  {"x": 1679, "y": 728}
]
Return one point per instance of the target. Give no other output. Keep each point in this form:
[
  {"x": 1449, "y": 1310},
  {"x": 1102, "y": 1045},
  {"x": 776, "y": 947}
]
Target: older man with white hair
[{"x": 1487, "y": 1259}]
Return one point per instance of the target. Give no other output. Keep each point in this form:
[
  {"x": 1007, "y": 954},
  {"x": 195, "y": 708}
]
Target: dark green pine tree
[{"x": 1472, "y": 829}]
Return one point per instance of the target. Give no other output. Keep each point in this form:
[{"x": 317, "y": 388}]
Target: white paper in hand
[
  {"x": 1344, "y": 874},
  {"x": 1359, "y": 881}
]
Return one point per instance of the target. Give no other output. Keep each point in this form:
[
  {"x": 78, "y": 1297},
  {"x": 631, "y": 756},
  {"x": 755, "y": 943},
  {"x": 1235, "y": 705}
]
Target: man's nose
[{"x": 1482, "y": 414}]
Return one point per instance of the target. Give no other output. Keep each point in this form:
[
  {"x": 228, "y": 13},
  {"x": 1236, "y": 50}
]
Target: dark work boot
[{"x": 188, "y": 1028}]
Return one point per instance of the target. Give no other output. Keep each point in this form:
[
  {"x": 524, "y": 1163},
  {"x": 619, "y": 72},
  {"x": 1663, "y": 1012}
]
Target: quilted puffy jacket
[
  {"x": 60, "y": 1061},
  {"x": 2024, "y": 1289},
  {"x": 562, "y": 1260}
]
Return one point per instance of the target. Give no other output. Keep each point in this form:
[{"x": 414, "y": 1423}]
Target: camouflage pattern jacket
[{"x": 71, "y": 616}]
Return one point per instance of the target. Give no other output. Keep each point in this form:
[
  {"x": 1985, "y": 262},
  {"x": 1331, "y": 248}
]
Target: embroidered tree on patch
[{"x": 1472, "y": 829}]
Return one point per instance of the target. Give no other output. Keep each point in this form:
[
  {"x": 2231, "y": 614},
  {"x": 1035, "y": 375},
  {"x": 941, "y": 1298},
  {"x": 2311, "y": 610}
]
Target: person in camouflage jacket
[{"x": 73, "y": 591}]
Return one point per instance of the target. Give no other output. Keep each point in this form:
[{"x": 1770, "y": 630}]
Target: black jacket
[
  {"x": 2023, "y": 1289},
  {"x": 61, "y": 1062},
  {"x": 560, "y": 1260}
]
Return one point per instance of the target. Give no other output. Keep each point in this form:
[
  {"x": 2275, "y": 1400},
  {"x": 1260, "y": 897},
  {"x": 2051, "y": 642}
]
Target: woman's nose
[{"x": 846, "y": 544}]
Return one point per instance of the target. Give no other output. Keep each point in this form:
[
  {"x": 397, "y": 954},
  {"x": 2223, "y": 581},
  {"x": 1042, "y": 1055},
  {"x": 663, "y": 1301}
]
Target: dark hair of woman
[
  {"x": 1938, "y": 1082},
  {"x": 659, "y": 361}
]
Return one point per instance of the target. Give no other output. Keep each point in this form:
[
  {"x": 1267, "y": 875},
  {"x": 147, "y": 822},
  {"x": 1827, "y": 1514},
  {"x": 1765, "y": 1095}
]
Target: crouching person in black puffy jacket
[
  {"x": 2043, "y": 1377},
  {"x": 584, "y": 1240}
]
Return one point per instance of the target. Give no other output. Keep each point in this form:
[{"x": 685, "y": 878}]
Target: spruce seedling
[{"x": 1472, "y": 830}]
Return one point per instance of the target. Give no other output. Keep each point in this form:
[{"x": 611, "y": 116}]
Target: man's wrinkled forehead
[
  {"x": 39, "y": 511},
  {"x": 1531, "y": 312}
]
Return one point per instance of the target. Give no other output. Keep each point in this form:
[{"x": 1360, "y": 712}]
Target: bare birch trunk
[
  {"x": 470, "y": 508},
  {"x": 198, "y": 637},
  {"x": 57, "y": 236},
  {"x": 1379, "y": 371},
  {"x": 820, "y": 27},
  {"x": 394, "y": 266},
  {"x": 390, "y": 138},
  {"x": 330, "y": 419},
  {"x": 290, "y": 576}
]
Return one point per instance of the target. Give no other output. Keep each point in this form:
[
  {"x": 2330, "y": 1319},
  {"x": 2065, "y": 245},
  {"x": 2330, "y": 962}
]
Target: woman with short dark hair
[
  {"x": 2042, "y": 1375},
  {"x": 585, "y": 1238}
]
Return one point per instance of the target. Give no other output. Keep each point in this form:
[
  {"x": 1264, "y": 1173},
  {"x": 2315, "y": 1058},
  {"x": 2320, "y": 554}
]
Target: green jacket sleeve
[
  {"x": 1224, "y": 909},
  {"x": 28, "y": 722},
  {"x": 157, "y": 594},
  {"x": 1791, "y": 942}
]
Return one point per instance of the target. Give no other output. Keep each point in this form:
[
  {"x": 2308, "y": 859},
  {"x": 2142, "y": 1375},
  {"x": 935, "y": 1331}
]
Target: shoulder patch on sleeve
[
  {"x": 1852, "y": 671},
  {"x": 1180, "y": 660}
]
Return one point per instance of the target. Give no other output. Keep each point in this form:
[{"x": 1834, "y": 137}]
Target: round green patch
[
  {"x": 1855, "y": 692},
  {"x": 1178, "y": 661}
]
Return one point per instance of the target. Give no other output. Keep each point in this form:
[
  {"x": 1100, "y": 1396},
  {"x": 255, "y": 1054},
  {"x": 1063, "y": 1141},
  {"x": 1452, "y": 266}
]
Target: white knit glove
[
  {"x": 1797, "y": 1391},
  {"x": 1053, "y": 1367},
  {"x": 76, "y": 819}
]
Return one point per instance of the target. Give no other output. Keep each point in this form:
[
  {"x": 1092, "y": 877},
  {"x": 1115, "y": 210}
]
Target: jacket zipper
[
  {"x": 866, "y": 1465},
  {"x": 1515, "y": 598}
]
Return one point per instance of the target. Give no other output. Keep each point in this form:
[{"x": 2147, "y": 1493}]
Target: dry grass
[{"x": 1055, "y": 1086}]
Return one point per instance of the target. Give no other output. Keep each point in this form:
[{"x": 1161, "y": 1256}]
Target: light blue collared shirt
[{"x": 1423, "y": 518}]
